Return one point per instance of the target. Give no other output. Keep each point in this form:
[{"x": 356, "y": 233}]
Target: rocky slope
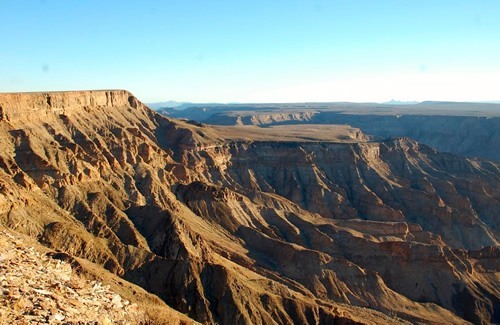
[
  {"x": 39, "y": 289},
  {"x": 244, "y": 231}
]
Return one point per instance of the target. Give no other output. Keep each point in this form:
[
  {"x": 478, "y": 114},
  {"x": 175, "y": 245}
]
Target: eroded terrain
[{"x": 229, "y": 227}]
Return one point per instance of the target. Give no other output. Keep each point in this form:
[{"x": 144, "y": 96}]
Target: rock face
[{"x": 243, "y": 231}]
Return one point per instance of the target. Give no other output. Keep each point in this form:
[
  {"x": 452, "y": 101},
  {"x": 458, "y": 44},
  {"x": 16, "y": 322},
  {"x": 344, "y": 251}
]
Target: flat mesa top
[
  {"x": 292, "y": 133},
  {"x": 61, "y": 91}
]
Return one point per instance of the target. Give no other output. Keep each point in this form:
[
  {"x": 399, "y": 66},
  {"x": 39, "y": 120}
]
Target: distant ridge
[
  {"x": 438, "y": 102},
  {"x": 184, "y": 105},
  {"x": 170, "y": 104},
  {"x": 399, "y": 102}
]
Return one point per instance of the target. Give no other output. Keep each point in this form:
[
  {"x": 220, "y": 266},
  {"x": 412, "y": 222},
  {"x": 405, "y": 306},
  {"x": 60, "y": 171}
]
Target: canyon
[
  {"x": 306, "y": 223},
  {"x": 465, "y": 129}
]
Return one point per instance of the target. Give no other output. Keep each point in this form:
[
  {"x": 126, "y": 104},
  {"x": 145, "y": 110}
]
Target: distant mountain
[
  {"x": 179, "y": 106},
  {"x": 170, "y": 103},
  {"x": 184, "y": 105},
  {"x": 400, "y": 102}
]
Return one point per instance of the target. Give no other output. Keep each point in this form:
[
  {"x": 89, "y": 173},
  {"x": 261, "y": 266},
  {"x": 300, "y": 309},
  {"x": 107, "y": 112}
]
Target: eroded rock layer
[{"x": 243, "y": 231}]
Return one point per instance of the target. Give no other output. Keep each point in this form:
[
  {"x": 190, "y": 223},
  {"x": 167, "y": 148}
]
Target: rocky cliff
[{"x": 244, "y": 231}]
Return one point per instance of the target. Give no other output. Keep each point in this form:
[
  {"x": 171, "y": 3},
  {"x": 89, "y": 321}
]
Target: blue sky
[{"x": 255, "y": 51}]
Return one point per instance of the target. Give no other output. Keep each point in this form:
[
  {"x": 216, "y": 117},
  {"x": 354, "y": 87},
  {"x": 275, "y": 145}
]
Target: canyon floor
[{"x": 244, "y": 224}]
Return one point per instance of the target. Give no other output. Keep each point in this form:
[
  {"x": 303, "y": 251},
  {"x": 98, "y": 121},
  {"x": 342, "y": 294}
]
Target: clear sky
[{"x": 255, "y": 51}]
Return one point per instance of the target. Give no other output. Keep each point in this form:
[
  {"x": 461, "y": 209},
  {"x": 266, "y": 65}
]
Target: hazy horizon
[
  {"x": 389, "y": 102},
  {"x": 255, "y": 52}
]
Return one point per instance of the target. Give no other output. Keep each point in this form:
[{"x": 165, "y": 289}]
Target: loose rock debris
[{"x": 37, "y": 289}]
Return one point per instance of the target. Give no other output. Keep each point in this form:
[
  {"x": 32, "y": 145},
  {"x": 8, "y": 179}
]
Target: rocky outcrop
[{"x": 243, "y": 231}]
